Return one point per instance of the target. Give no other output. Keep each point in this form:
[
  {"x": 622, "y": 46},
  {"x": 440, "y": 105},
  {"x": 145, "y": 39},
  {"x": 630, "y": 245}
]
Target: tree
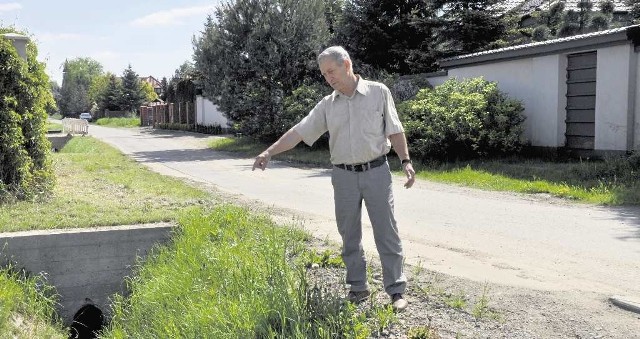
[
  {"x": 164, "y": 87},
  {"x": 599, "y": 22},
  {"x": 149, "y": 93},
  {"x": 55, "y": 91},
  {"x": 584, "y": 11},
  {"x": 469, "y": 25},
  {"x": 570, "y": 24},
  {"x": 78, "y": 74},
  {"x": 25, "y": 166},
  {"x": 554, "y": 17},
  {"x": 132, "y": 95},
  {"x": 395, "y": 36},
  {"x": 634, "y": 11},
  {"x": 255, "y": 53},
  {"x": 97, "y": 91},
  {"x": 333, "y": 14},
  {"x": 181, "y": 87},
  {"x": 112, "y": 95},
  {"x": 607, "y": 7}
]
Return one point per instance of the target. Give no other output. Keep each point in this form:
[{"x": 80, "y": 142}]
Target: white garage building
[{"x": 580, "y": 93}]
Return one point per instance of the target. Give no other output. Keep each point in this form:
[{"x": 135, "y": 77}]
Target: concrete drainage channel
[{"x": 86, "y": 266}]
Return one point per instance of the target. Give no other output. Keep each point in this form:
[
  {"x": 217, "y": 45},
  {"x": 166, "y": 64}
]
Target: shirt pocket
[{"x": 373, "y": 120}]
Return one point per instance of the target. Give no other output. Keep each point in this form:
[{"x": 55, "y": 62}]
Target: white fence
[{"x": 75, "y": 126}]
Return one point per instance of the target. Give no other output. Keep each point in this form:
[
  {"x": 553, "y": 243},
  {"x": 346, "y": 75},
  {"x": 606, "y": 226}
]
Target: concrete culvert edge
[{"x": 626, "y": 303}]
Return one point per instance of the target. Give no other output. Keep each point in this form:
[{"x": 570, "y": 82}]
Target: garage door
[{"x": 581, "y": 101}]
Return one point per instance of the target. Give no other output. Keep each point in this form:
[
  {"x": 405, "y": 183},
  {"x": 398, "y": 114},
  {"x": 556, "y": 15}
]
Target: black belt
[{"x": 364, "y": 166}]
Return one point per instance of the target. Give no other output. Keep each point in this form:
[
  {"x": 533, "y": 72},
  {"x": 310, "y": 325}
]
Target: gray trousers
[{"x": 374, "y": 187}]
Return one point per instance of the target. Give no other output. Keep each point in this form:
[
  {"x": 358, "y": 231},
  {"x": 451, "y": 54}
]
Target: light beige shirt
[{"x": 359, "y": 126}]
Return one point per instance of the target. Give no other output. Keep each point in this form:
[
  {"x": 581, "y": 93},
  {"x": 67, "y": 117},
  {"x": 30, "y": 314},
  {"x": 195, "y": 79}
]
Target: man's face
[{"x": 335, "y": 73}]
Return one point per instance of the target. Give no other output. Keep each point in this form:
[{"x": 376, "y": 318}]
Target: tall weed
[{"x": 230, "y": 274}]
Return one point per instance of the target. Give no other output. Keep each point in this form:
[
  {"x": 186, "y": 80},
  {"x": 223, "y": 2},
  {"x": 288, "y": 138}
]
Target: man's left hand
[{"x": 411, "y": 174}]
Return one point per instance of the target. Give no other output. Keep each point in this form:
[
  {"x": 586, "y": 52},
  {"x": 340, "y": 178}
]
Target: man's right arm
[{"x": 286, "y": 142}]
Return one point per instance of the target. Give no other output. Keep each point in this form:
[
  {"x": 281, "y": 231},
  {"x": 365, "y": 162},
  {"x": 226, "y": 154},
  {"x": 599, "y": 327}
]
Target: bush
[
  {"x": 541, "y": 33},
  {"x": 297, "y": 105},
  {"x": 25, "y": 167},
  {"x": 205, "y": 129},
  {"x": 462, "y": 120}
]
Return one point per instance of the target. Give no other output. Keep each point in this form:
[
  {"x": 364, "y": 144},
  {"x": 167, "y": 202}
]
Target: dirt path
[{"x": 544, "y": 245}]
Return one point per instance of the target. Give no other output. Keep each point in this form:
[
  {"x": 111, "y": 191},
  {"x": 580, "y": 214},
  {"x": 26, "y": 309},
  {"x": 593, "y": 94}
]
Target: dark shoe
[
  {"x": 398, "y": 302},
  {"x": 357, "y": 297}
]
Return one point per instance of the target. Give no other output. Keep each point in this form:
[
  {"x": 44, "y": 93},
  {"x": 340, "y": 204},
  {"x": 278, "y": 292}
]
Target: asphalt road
[{"x": 503, "y": 238}]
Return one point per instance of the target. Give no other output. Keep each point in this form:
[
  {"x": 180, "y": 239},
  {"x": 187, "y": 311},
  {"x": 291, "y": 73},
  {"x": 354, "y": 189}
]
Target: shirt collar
[{"x": 362, "y": 87}]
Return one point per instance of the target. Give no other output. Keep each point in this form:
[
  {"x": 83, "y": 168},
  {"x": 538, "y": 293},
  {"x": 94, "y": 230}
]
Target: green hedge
[
  {"x": 205, "y": 129},
  {"x": 25, "y": 167},
  {"x": 462, "y": 119}
]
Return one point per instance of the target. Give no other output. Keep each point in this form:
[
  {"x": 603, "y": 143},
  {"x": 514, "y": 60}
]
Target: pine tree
[
  {"x": 164, "y": 85},
  {"x": 132, "y": 95},
  {"x": 395, "y": 36},
  {"x": 469, "y": 25},
  {"x": 634, "y": 11},
  {"x": 112, "y": 96}
]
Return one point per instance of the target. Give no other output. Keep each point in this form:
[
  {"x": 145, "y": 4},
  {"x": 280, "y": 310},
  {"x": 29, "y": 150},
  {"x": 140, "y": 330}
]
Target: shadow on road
[
  {"x": 182, "y": 155},
  {"x": 164, "y": 133},
  {"x": 629, "y": 215}
]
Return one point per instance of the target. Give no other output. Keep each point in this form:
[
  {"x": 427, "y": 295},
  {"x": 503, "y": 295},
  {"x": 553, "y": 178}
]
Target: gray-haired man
[{"x": 363, "y": 124}]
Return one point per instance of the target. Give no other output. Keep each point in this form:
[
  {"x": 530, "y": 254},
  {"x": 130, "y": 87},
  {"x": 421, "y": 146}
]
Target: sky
[{"x": 154, "y": 37}]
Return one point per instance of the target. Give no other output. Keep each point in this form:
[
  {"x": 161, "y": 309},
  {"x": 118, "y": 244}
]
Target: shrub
[
  {"x": 462, "y": 120},
  {"x": 599, "y": 22},
  {"x": 197, "y": 128},
  {"x": 297, "y": 105},
  {"x": 25, "y": 168},
  {"x": 541, "y": 33}
]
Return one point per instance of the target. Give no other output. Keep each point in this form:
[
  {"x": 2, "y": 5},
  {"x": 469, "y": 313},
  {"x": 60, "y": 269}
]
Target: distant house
[
  {"x": 580, "y": 93},
  {"x": 157, "y": 86}
]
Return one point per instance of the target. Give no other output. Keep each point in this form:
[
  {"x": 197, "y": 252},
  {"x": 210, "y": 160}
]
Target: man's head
[{"x": 335, "y": 65}]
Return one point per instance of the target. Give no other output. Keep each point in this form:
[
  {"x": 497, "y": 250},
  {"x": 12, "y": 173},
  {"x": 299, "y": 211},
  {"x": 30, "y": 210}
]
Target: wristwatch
[{"x": 406, "y": 161}]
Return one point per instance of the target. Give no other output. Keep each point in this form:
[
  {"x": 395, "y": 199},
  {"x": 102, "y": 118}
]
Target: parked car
[{"x": 86, "y": 116}]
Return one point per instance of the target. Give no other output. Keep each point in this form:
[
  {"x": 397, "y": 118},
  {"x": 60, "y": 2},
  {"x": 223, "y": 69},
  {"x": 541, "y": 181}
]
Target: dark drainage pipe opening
[{"x": 87, "y": 322}]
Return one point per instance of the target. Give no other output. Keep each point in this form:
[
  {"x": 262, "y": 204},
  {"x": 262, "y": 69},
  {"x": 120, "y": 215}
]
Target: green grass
[
  {"x": 56, "y": 116},
  {"x": 231, "y": 274},
  {"x": 422, "y": 332},
  {"x": 27, "y": 308},
  {"x": 608, "y": 182},
  {"x": 54, "y": 127},
  {"x": 327, "y": 258},
  {"x": 481, "y": 309},
  {"x": 456, "y": 301},
  {"x": 119, "y": 122},
  {"x": 98, "y": 186}
]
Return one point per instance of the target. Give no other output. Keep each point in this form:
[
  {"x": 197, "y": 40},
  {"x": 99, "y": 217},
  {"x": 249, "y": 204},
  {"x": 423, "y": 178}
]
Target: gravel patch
[{"x": 460, "y": 308}]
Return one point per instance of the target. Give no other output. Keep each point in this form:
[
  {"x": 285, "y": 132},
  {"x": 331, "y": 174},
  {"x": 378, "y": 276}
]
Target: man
[{"x": 361, "y": 119}]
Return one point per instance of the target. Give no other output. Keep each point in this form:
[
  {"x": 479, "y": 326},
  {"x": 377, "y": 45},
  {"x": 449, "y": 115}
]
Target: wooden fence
[{"x": 182, "y": 113}]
